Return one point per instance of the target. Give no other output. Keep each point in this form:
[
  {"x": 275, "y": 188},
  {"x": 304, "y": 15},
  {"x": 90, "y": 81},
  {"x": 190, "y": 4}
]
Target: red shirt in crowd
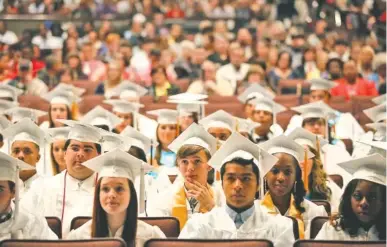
[{"x": 362, "y": 87}]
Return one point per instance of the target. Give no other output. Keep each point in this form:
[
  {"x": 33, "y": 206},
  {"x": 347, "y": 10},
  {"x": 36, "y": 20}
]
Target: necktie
[
  {"x": 193, "y": 202},
  {"x": 238, "y": 221}
]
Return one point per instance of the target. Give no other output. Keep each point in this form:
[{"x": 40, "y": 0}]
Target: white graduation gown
[
  {"x": 311, "y": 210},
  {"x": 46, "y": 198},
  {"x": 328, "y": 232},
  {"x": 144, "y": 232},
  {"x": 26, "y": 185},
  {"x": 26, "y": 226},
  {"x": 217, "y": 224},
  {"x": 161, "y": 204},
  {"x": 331, "y": 155},
  {"x": 337, "y": 192}
]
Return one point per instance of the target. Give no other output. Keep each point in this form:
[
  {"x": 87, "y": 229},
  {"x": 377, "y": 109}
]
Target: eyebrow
[
  {"x": 88, "y": 146},
  {"x": 242, "y": 174}
]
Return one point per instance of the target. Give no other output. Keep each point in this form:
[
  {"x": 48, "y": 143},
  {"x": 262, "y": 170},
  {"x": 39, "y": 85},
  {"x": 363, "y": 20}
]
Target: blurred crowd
[{"x": 236, "y": 43}]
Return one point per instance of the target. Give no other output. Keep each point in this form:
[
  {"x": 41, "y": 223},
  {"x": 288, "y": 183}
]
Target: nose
[
  {"x": 191, "y": 167},
  {"x": 238, "y": 185},
  {"x": 280, "y": 177},
  {"x": 20, "y": 156},
  {"x": 112, "y": 194},
  {"x": 364, "y": 203}
]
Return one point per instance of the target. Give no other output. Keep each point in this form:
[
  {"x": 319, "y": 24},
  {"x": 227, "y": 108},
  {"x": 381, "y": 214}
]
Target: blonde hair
[{"x": 318, "y": 179}]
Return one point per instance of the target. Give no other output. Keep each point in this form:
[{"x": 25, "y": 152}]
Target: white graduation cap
[
  {"x": 25, "y": 130},
  {"x": 246, "y": 125},
  {"x": 303, "y": 137},
  {"x": 165, "y": 116},
  {"x": 314, "y": 110},
  {"x": 127, "y": 90},
  {"x": 188, "y": 97},
  {"x": 186, "y": 107},
  {"x": 5, "y": 105},
  {"x": 4, "y": 122},
  {"x": 267, "y": 104},
  {"x": 137, "y": 139},
  {"x": 237, "y": 146},
  {"x": 380, "y": 99},
  {"x": 120, "y": 164},
  {"x": 111, "y": 141},
  {"x": 371, "y": 168},
  {"x": 219, "y": 119},
  {"x": 7, "y": 91},
  {"x": 284, "y": 144},
  {"x": 82, "y": 132},
  {"x": 377, "y": 113},
  {"x": 321, "y": 84},
  {"x": 10, "y": 168},
  {"x": 100, "y": 116},
  {"x": 18, "y": 113},
  {"x": 194, "y": 135},
  {"x": 254, "y": 91},
  {"x": 60, "y": 133},
  {"x": 124, "y": 106},
  {"x": 380, "y": 130},
  {"x": 375, "y": 144},
  {"x": 70, "y": 88},
  {"x": 61, "y": 97}
]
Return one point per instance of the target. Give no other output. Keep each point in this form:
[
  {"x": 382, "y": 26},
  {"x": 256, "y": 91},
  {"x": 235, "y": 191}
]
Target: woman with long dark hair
[
  {"x": 61, "y": 104},
  {"x": 362, "y": 210},
  {"x": 285, "y": 191},
  {"x": 115, "y": 202}
]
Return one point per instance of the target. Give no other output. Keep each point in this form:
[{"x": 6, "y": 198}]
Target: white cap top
[
  {"x": 70, "y": 88},
  {"x": 60, "y": 133},
  {"x": 377, "y": 113},
  {"x": 219, "y": 119},
  {"x": 10, "y": 167},
  {"x": 5, "y": 105},
  {"x": 254, "y": 91},
  {"x": 7, "y": 91},
  {"x": 314, "y": 110},
  {"x": 4, "y": 122},
  {"x": 123, "y": 106},
  {"x": 140, "y": 18},
  {"x": 25, "y": 130},
  {"x": 18, "y": 113},
  {"x": 321, "y": 84},
  {"x": 188, "y": 97},
  {"x": 283, "y": 144},
  {"x": 112, "y": 141},
  {"x": 127, "y": 90},
  {"x": 165, "y": 116},
  {"x": 375, "y": 144},
  {"x": 266, "y": 104},
  {"x": 246, "y": 125},
  {"x": 117, "y": 164},
  {"x": 380, "y": 130},
  {"x": 187, "y": 109},
  {"x": 82, "y": 132},
  {"x": 303, "y": 137},
  {"x": 371, "y": 168},
  {"x": 100, "y": 116},
  {"x": 380, "y": 99},
  {"x": 237, "y": 146},
  {"x": 61, "y": 97},
  {"x": 194, "y": 135},
  {"x": 137, "y": 139}
]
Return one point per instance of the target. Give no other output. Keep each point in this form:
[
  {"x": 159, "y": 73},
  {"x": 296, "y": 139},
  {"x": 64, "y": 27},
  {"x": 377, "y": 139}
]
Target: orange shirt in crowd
[{"x": 362, "y": 87}]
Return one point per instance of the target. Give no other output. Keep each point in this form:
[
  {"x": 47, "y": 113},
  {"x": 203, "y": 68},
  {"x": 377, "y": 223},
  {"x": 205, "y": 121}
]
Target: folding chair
[
  {"x": 56, "y": 225},
  {"x": 295, "y": 227},
  {"x": 316, "y": 225},
  {"x": 208, "y": 243},
  {"x": 101, "y": 242},
  {"x": 335, "y": 243},
  {"x": 324, "y": 203},
  {"x": 79, "y": 221},
  {"x": 170, "y": 226}
]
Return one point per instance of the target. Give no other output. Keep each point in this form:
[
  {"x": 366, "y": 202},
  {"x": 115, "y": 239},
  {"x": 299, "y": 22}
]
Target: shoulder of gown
[
  {"x": 82, "y": 232},
  {"x": 146, "y": 231}
]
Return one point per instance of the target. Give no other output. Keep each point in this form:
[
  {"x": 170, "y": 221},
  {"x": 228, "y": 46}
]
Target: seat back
[
  {"x": 55, "y": 225},
  {"x": 338, "y": 179},
  {"x": 324, "y": 203},
  {"x": 296, "y": 231},
  {"x": 79, "y": 221},
  {"x": 336, "y": 243},
  {"x": 207, "y": 243},
  {"x": 100, "y": 242},
  {"x": 316, "y": 225},
  {"x": 170, "y": 226}
]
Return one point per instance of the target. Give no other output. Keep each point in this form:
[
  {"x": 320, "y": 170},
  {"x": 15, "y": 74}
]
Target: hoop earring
[{"x": 295, "y": 187}]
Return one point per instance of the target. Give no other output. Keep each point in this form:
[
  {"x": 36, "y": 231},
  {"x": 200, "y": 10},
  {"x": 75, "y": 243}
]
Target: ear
[
  {"x": 209, "y": 167},
  {"x": 38, "y": 158}
]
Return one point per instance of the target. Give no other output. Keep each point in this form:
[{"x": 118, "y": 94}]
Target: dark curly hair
[{"x": 346, "y": 219}]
